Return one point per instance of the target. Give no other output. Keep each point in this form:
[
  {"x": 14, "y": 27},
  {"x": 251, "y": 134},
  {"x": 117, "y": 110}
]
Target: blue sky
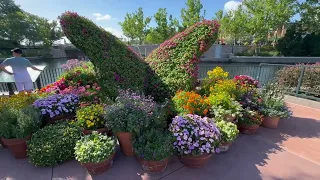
[{"x": 107, "y": 13}]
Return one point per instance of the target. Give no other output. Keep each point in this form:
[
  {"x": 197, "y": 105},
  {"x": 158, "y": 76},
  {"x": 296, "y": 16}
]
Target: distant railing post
[{"x": 300, "y": 80}]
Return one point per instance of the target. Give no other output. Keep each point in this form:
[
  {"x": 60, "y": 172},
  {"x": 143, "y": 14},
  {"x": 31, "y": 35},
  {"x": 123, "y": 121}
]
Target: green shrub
[
  {"x": 154, "y": 145},
  {"x": 94, "y": 148},
  {"x": 116, "y": 64},
  {"x": 19, "y": 123},
  {"x": 175, "y": 61},
  {"x": 53, "y": 144}
]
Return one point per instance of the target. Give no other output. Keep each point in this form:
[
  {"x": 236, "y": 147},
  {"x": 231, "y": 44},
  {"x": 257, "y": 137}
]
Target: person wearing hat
[{"x": 19, "y": 67}]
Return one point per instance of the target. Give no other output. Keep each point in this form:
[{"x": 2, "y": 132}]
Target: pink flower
[
  {"x": 87, "y": 86},
  {"x": 98, "y": 88}
]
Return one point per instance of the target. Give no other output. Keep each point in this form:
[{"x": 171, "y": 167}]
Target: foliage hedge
[
  {"x": 53, "y": 144},
  {"x": 116, "y": 65},
  {"x": 175, "y": 61}
]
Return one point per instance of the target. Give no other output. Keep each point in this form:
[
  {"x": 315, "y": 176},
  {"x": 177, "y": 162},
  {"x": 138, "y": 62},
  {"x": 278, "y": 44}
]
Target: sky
[{"x": 108, "y": 13}]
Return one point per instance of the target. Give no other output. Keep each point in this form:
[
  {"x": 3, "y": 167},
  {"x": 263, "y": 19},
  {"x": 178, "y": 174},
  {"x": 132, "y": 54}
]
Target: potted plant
[
  {"x": 153, "y": 150},
  {"x": 223, "y": 106},
  {"x": 250, "y": 121},
  {"x": 273, "y": 111},
  {"x": 17, "y": 126},
  {"x": 95, "y": 152},
  {"x": 229, "y": 133},
  {"x": 130, "y": 115},
  {"x": 53, "y": 144},
  {"x": 189, "y": 102},
  {"x": 91, "y": 118},
  {"x": 57, "y": 107},
  {"x": 196, "y": 139}
]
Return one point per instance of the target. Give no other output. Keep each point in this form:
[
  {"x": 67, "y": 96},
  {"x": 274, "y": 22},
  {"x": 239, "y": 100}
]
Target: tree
[
  {"x": 165, "y": 28},
  {"x": 310, "y": 15},
  {"x": 135, "y": 25},
  {"x": 266, "y": 16},
  {"x": 192, "y": 14}
]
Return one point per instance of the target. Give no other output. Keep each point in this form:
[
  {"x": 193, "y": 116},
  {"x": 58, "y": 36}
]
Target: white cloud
[
  {"x": 231, "y": 6},
  {"x": 115, "y": 32},
  {"x": 100, "y": 17}
]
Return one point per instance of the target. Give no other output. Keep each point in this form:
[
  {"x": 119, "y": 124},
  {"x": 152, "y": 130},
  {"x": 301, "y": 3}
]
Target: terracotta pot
[
  {"x": 195, "y": 161},
  {"x": 125, "y": 141},
  {"x": 229, "y": 118},
  {"x": 248, "y": 129},
  {"x": 153, "y": 166},
  {"x": 101, "y": 167},
  {"x": 58, "y": 118},
  {"x": 101, "y": 130},
  {"x": 224, "y": 146},
  {"x": 18, "y": 147},
  {"x": 270, "y": 122},
  {"x": 2, "y": 144}
]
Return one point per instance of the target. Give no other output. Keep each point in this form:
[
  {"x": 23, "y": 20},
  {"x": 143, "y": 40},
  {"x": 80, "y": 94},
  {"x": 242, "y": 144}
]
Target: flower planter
[
  {"x": 195, "y": 161},
  {"x": 225, "y": 146},
  {"x": 58, "y": 118},
  {"x": 229, "y": 118},
  {"x": 248, "y": 129},
  {"x": 270, "y": 122},
  {"x": 125, "y": 141},
  {"x": 101, "y": 130},
  {"x": 99, "y": 168},
  {"x": 153, "y": 166},
  {"x": 18, "y": 147}
]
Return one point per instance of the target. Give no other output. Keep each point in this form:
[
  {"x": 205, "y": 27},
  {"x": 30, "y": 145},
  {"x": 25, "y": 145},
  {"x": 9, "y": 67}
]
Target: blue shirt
[{"x": 19, "y": 67}]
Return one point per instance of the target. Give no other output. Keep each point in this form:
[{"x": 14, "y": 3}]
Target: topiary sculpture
[
  {"x": 175, "y": 61},
  {"x": 116, "y": 65}
]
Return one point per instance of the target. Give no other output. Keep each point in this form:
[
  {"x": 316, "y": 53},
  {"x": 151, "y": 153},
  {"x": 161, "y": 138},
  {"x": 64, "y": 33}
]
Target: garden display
[
  {"x": 95, "y": 152},
  {"x": 153, "y": 150},
  {"x": 57, "y": 107},
  {"x": 229, "y": 132},
  {"x": 250, "y": 121},
  {"x": 196, "y": 139},
  {"x": 53, "y": 144},
  {"x": 190, "y": 103},
  {"x": 17, "y": 126}
]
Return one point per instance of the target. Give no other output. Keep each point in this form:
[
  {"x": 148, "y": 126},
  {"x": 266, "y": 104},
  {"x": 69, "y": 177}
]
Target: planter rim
[{"x": 15, "y": 140}]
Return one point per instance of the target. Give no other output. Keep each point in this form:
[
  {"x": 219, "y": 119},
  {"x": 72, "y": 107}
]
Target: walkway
[{"x": 291, "y": 152}]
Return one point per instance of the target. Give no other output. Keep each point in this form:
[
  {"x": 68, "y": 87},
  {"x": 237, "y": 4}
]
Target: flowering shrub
[
  {"x": 94, "y": 148},
  {"x": 228, "y": 86},
  {"x": 246, "y": 81},
  {"x": 215, "y": 75},
  {"x": 154, "y": 145},
  {"x": 252, "y": 99},
  {"x": 228, "y": 130},
  {"x": 17, "y": 101},
  {"x": 275, "y": 107},
  {"x": 222, "y": 105},
  {"x": 57, "y": 104},
  {"x": 195, "y": 135},
  {"x": 116, "y": 65},
  {"x": 71, "y": 64},
  {"x": 190, "y": 103},
  {"x": 175, "y": 61},
  {"x": 250, "y": 117},
  {"x": 54, "y": 87},
  {"x": 90, "y": 117}
]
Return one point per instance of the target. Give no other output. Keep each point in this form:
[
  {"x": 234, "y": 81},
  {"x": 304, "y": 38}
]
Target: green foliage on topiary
[
  {"x": 175, "y": 61},
  {"x": 53, "y": 144},
  {"x": 116, "y": 65}
]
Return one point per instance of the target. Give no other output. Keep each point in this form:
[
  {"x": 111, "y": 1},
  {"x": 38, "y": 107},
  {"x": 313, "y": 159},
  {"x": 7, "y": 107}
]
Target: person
[{"x": 19, "y": 67}]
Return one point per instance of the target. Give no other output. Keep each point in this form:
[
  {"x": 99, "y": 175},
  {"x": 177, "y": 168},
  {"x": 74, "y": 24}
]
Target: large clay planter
[
  {"x": 125, "y": 141},
  {"x": 229, "y": 118},
  {"x": 224, "y": 146},
  {"x": 101, "y": 130},
  {"x": 248, "y": 129},
  {"x": 101, "y": 167},
  {"x": 58, "y": 118},
  {"x": 195, "y": 161},
  {"x": 18, "y": 147},
  {"x": 270, "y": 122},
  {"x": 153, "y": 166}
]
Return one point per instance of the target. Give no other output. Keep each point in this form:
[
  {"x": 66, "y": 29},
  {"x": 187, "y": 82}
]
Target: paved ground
[{"x": 291, "y": 152}]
